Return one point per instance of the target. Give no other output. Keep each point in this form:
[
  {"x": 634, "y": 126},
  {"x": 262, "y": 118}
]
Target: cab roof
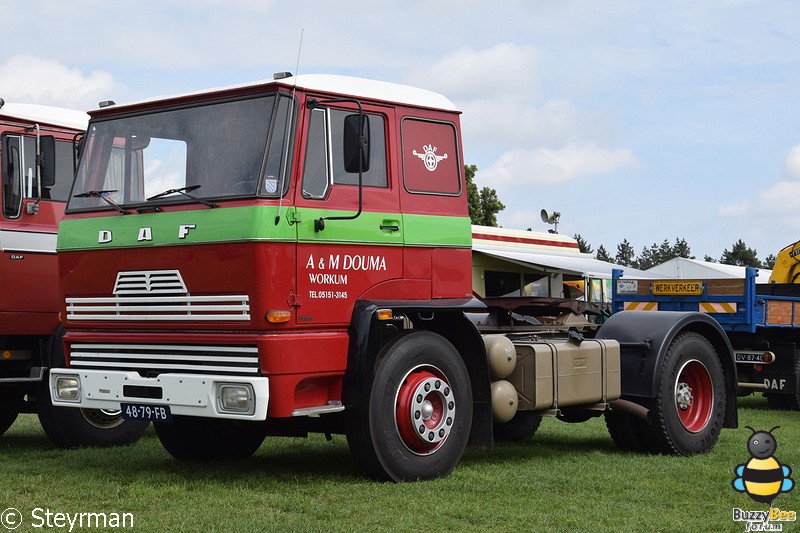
[
  {"x": 338, "y": 85},
  {"x": 42, "y": 114}
]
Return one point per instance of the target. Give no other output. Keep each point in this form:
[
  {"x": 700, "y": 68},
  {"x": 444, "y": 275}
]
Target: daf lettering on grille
[{"x": 144, "y": 234}]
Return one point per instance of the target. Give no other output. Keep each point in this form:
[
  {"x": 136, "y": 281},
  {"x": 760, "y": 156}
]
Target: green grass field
[{"x": 569, "y": 477}]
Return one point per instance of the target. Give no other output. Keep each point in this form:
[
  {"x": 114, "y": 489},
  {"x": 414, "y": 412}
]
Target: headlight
[
  {"x": 236, "y": 398},
  {"x": 68, "y": 388}
]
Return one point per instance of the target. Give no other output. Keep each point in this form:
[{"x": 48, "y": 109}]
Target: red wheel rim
[
  {"x": 424, "y": 410},
  {"x": 694, "y": 396}
]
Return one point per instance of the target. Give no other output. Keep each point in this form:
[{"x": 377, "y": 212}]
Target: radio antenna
[{"x": 287, "y": 128}]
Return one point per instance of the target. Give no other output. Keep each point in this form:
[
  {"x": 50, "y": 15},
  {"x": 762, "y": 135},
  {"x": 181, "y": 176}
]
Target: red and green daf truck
[
  {"x": 294, "y": 256},
  {"x": 36, "y": 149}
]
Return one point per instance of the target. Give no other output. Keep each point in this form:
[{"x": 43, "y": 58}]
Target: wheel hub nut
[{"x": 683, "y": 396}]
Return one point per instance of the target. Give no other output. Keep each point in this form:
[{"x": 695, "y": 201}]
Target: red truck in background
[
  {"x": 37, "y": 151},
  {"x": 294, "y": 256}
]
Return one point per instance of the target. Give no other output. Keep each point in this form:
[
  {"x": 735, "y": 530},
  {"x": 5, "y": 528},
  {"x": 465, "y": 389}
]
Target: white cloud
[
  {"x": 545, "y": 166},
  {"x": 739, "y": 209},
  {"x": 504, "y": 70},
  {"x": 779, "y": 198},
  {"x": 792, "y": 166},
  {"x": 29, "y": 79},
  {"x": 497, "y": 125}
]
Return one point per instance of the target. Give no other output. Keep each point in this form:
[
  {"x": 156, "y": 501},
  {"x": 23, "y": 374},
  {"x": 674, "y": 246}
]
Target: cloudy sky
[{"x": 634, "y": 119}]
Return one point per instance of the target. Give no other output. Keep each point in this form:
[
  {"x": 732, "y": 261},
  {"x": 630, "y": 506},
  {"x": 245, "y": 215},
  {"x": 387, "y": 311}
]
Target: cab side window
[
  {"x": 19, "y": 172},
  {"x": 324, "y": 161},
  {"x": 13, "y": 165}
]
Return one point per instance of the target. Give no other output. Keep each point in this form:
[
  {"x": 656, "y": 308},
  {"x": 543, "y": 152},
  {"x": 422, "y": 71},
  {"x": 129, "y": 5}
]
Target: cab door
[
  {"x": 31, "y": 210},
  {"x": 347, "y": 247}
]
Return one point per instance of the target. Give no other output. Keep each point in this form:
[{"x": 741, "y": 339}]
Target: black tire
[
  {"x": 522, "y": 427},
  {"x": 629, "y": 432},
  {"x": 189, "y": 438},
  {"x": 420, "y": 382},
  {"x": 777, "y": 401},
  {"x": 6, "y": 420},
  {"x": 687, "y": 416},
  {"x": 71, "y": 427}
]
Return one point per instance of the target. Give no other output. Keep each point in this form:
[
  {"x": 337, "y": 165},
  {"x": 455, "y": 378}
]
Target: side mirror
[
  {"x": 356, "y": 143},
  {"x": 46, "y": 159}
]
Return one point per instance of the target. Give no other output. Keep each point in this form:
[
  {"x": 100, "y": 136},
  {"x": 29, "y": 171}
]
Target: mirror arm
[
  {"x": 33, "y": 208},
  {"x": 312, "y": 103}
]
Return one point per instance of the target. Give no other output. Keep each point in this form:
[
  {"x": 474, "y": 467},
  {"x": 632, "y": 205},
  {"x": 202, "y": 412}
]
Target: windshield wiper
[
  {"x": 102, "y": 196},
  {"x": 185, "y": 192}
]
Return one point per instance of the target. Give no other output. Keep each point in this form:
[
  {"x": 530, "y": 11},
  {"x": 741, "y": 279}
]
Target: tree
[
  {"x": 583, "y": 246},
  {"x": 649, "y": 257},
  {"x": 490, "y": 206},
  {"x": 625, "y": 254},
  {"x": 740, "y": 255},
  {"x": 483, "y": 205},
  {"x": 602, "y": 255},
  {"x": 769, "y": 262},
  {"x": 665, "y": 252},
  {"x": 661, "y": 253},
  {"x": 681, "y": 249},
  {"x": 709, "y": 259}
]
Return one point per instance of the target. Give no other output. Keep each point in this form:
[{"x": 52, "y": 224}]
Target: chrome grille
[
  {"x": 153, "y": 359},
  {"x": 150, "y": 282},
  {"x": 152, "y": 295}
]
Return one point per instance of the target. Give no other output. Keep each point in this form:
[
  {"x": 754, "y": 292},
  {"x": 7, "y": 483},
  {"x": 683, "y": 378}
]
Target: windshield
[{"x": 230, "y": 149}]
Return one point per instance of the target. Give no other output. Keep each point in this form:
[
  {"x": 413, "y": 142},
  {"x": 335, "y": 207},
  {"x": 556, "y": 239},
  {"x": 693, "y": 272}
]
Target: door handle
[{"x": 390, "y": 225}]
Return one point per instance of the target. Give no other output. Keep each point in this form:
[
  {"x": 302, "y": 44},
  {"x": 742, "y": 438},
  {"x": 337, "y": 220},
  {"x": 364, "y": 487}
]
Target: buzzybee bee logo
[{"x": 763, "y": 477}]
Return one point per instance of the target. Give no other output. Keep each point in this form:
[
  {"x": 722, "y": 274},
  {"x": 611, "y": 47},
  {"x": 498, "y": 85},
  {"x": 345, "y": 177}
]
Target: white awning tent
[
  {"x": 574, "y": 263},
  {"x": 683, "y": 268}
]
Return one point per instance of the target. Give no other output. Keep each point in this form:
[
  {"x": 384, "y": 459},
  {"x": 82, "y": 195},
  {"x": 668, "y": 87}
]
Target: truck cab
[{"x": 294, "y": 255}]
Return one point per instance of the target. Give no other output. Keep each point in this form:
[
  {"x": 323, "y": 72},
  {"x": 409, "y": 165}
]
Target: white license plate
[{"x": 154, "y": 413}]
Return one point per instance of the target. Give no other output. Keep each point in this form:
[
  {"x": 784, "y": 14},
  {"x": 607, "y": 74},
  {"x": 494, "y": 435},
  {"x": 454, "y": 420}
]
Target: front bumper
[{"x": 185, "y": 394}]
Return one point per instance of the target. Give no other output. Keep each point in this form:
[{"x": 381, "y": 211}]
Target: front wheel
[
  {"x": 688, "y": 413},
  {"x": 417, "y": 418},
  {"x": 189, "y": 438},
  {"x": 71, "y": 427}
]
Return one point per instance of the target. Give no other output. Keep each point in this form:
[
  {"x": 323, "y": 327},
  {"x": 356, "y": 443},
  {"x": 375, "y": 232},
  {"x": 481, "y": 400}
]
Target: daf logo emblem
[{"x": 429, "y": 157}]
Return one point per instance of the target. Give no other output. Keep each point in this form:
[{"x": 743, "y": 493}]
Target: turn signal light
[
  {"x": 384, "y": 314},
  {"x": 278, "y": 316}
]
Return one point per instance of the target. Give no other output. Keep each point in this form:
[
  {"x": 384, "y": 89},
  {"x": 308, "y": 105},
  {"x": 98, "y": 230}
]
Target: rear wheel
[
  {"x": 629, "y": 432},
  {"x": 189, "y": 438},
  {"x": 6, "y": 420},
  {"x": 522, "y": 427},
  {"x": 417, "y": 418},
  {"x": 688, "y": 413}
]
